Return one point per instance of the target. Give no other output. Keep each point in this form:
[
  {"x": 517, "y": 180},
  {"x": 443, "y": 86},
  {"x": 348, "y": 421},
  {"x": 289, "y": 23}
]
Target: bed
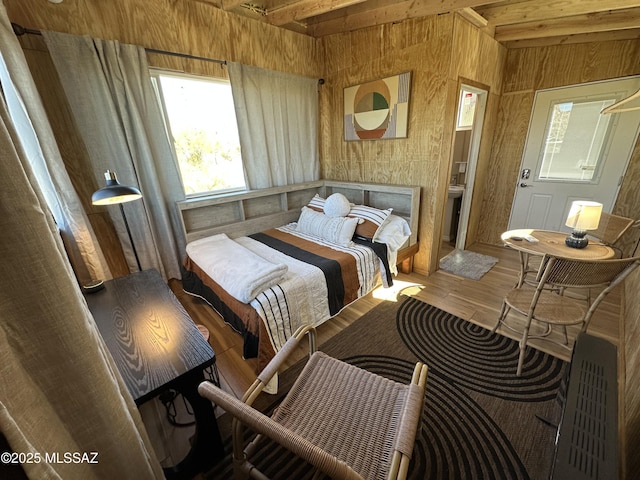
[{"x": 270, "y": 260}]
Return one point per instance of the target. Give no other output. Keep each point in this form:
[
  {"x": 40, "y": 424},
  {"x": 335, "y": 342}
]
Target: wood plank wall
[
  {"x": 526, "y": 71},
  {"x": 438, "y": 51},
  {"x": 173, "y": 25},
  {"x": 531, "y": 69},
  {"x": 630, "y": 364},
  {"x": 195, "y": 28}
]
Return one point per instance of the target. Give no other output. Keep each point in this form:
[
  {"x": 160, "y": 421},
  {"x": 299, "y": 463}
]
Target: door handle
[{"x": 523, "y": 185}]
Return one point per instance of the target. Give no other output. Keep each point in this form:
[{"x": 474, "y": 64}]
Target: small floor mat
[{"x": 467, "y": 264}]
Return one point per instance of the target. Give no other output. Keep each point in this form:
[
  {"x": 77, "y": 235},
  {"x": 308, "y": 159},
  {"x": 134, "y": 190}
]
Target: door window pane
[{"x": 576, "y": 136}]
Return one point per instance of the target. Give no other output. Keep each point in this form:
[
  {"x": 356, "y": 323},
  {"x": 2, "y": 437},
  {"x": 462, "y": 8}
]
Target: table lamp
[
  {"x": 114, "y": 193},
  {"x": 583, "y": 215}
]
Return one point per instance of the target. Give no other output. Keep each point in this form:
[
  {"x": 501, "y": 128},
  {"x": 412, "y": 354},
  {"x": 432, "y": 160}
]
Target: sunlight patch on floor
[{"x": 399, "y": 287}]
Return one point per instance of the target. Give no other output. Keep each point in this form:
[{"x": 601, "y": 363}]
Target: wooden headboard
[{"x": 243, "y": 213}]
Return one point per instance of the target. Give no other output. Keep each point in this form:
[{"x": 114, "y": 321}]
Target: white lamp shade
[{"x": 584, "y": 215}]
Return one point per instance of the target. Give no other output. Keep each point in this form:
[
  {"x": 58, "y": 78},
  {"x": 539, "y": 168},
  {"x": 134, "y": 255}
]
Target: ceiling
[{"x": 515, "y": 23}]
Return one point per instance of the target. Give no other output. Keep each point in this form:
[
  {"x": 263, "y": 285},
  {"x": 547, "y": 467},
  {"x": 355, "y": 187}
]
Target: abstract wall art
[{"x": 377, "y": 110}]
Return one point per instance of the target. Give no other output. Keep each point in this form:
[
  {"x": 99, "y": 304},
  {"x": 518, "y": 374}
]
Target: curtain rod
[{"x": 20, "y": 30}]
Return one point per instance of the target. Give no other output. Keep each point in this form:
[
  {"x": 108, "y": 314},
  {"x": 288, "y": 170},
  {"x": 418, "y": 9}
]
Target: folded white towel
[{"x": 238, "y": 270}]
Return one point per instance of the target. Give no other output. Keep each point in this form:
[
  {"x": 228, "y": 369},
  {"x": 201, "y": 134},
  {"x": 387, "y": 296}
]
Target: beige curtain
[
  {"x": 37, "y": 137},
  {"x": 108, "y": 86},
  {"x": 59, "y": 389},
  {"x": 277, "y": 116}
]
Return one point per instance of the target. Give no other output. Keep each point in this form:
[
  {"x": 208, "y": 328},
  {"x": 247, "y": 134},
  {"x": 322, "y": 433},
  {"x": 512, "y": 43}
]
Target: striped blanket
[{"x": 321, "y": 279}]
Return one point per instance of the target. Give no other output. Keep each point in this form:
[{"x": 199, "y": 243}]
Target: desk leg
[{"x": 207, "y": 448}]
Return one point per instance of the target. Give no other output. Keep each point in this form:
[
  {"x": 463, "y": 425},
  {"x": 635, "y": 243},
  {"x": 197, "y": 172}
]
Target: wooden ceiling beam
[
  {"x": 539, "y": 10},
  {"x": 375, "y": 12},
  {"x": 579, "y": 24},
  {"x": 631, "y": 34},
  {"x": 304, "y": 9},
  {"x": 473, "y": 17}
]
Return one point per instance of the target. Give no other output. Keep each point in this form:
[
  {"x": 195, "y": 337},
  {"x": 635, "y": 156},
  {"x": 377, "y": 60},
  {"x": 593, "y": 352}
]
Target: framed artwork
[{"x": 377, "y": 110}]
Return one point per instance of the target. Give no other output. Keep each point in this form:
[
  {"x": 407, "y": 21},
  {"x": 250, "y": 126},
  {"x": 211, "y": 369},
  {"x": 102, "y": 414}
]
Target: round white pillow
[{"x": 337, "y": 205}]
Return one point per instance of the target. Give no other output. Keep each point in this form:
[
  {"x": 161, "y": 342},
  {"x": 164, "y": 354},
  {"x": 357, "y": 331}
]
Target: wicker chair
[
  {"x": 611, "y": 228},
  {"x": 345, "y": 421},
  {"x": 546, "y": 304}
]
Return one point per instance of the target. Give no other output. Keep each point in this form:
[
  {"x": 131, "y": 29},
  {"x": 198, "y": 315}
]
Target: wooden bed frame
[{"x": 243, "y": 213}]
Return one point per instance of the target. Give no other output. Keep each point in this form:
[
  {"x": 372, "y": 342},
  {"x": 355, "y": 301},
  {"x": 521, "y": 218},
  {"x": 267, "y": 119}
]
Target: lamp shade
[
  {"x": 584, "y": 215},
  {"x": 114, "y": 193}
]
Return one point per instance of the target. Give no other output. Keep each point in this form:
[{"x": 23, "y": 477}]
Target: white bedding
[
  {"x": 238, "y": 270},
  {"x": 301, "y": 297}
]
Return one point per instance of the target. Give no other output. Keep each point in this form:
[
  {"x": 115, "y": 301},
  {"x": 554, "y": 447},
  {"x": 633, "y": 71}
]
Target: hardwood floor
[{"x": 475, "y": 301}]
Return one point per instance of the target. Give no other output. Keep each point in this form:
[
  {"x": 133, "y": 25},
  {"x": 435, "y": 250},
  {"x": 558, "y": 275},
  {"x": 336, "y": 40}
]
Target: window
[
  {"x": 466, "y": 110},
  {"x": 575, "y": 140},
  {"x": 201, "y": 121}
]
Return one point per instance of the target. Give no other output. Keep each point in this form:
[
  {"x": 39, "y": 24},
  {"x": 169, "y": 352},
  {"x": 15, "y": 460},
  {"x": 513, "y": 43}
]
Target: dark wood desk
[{"x": 156, "y": 347}]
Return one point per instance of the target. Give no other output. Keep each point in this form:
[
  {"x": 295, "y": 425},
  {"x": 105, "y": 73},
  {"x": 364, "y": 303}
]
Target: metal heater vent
[
  {"x": 587, "y": 448},
  {"x": 587, "y": 437}
]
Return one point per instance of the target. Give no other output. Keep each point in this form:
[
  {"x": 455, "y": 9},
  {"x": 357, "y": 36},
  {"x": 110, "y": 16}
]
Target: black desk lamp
[{"x": 115, "y": 193}]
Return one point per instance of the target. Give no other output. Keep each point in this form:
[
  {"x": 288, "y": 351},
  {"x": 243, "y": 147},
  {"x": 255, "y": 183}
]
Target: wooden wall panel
[
  {"x": 630, "y": 364},
  {"x": 474, "y": 52},
  {"x": 482, "y": 169},
  {"x": 426, "y": 48},
  {"x": 180, "y": 26},
  {"x": 531, "y": 69},
  {"x": 511, "y": 129}
]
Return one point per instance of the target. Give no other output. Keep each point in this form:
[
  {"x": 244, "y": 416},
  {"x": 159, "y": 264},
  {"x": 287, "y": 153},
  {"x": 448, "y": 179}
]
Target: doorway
[
  {"x": 573, "y": 152},
  {"x": 472, "y": 102}
]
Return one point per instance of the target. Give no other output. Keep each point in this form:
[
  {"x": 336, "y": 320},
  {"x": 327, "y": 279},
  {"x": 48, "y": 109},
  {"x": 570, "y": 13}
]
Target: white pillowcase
[
  {"x": 336, "y": 205},
  {"x": 338, "y": 230},
  {"x": 394, "y": 232}
]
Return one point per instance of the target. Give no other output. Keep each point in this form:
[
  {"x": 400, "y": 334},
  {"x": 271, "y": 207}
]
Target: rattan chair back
[
  {"x": 569, "y": 273},
  {"x": 327, "y": 417},
  {"x": 611, "y": 228},
  {"x": 548, "y": 302}
]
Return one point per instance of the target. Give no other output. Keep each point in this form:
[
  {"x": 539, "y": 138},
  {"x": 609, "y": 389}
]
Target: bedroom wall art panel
[{"x": 378, "y": 109}]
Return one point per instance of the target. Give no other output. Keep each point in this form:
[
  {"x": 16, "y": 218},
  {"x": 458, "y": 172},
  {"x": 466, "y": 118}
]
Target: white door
[{"x": 573, "y": 152}]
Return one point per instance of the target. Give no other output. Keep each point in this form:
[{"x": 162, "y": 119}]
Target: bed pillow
[
  {"x": 317, "y": 203},
  {"x": 394, "y": 232},
  {"x": 338, "y": 230},
  {"x": 374, "y": 219},
  {"x": 337, "y": 205}
]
